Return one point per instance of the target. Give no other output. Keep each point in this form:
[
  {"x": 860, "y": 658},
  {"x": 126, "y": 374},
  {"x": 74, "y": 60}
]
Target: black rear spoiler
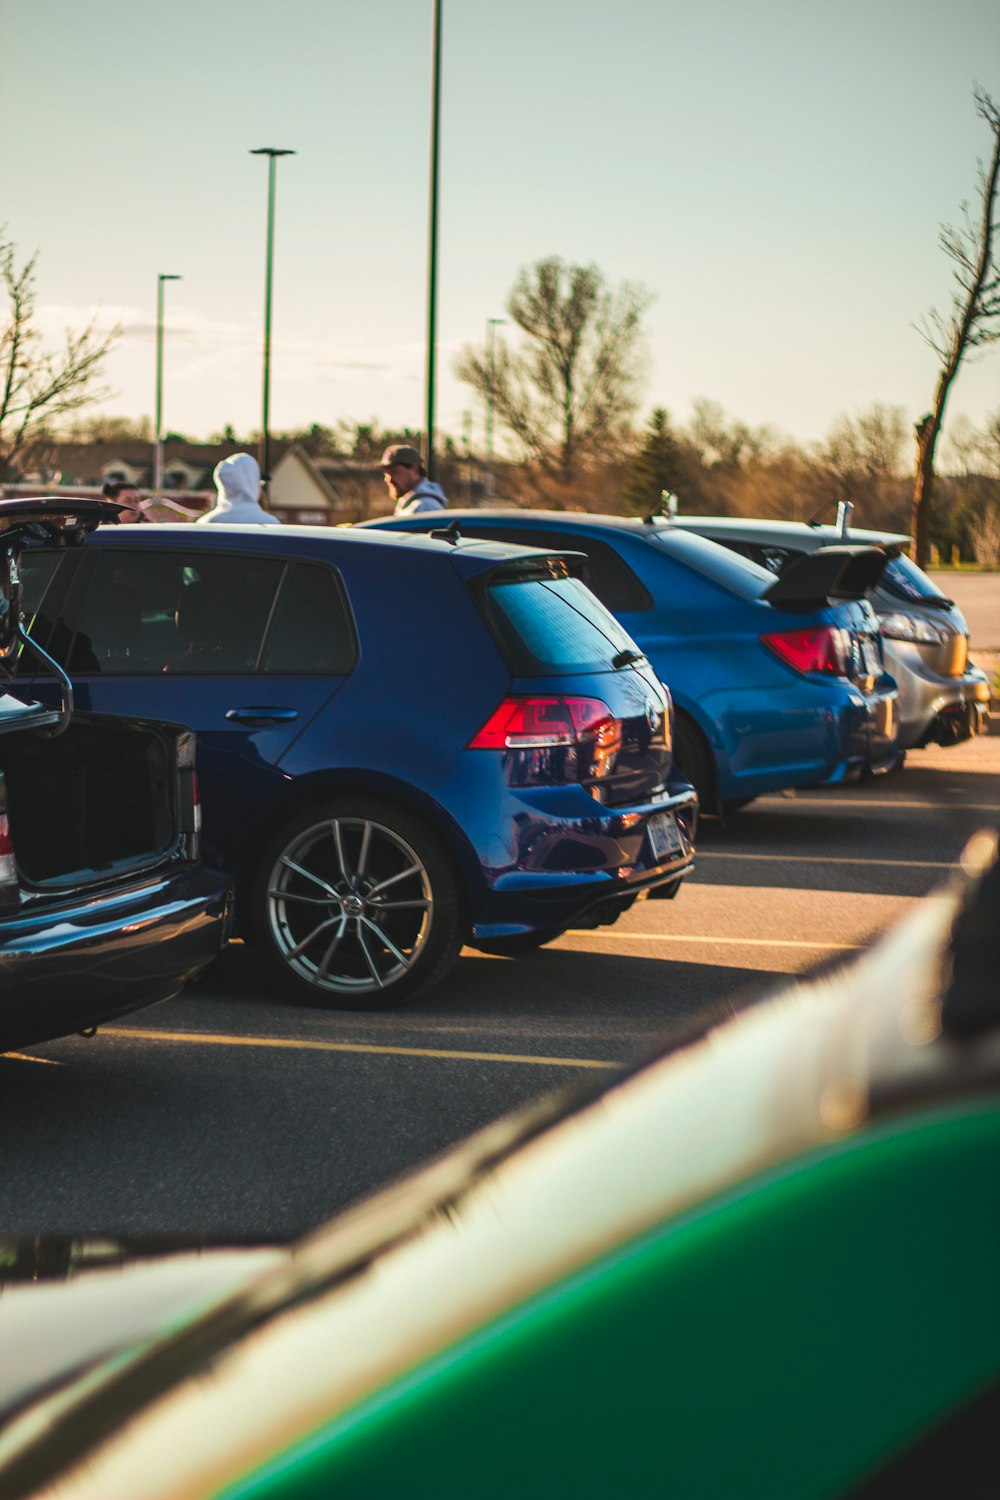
[{"x": 812, "y": 578}]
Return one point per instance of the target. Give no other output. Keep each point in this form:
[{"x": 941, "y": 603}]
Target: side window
[
  {"x": 38, "y": 573},
  {"x": 187, "y": 613},
  {"x": 311, "y": 629},
  {"x": 611, "y": 579}
]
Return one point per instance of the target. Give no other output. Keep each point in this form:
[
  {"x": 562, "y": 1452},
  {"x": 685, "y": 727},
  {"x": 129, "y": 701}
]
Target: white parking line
[
  {"x": 827, "y": 859},
  {"x": 735, "y": 942},
  {"x": 876, "y": 801}
]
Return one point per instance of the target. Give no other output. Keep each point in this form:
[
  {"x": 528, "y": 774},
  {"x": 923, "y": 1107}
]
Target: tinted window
[
  {"x": 737, "y": 575},
  {"x": 765, "y": 554},
  {"x": 311, "y": 629},
  {"x": 174, "y": 612},
  {"x": 903, "y": 579},
  {"x": 554, "y": 626},
  {"x": 611, "y": 579},
  {"x": 38, "y": 571}
]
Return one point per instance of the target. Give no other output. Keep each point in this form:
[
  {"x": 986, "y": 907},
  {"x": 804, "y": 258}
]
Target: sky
[{"x": 774, "y": 171}]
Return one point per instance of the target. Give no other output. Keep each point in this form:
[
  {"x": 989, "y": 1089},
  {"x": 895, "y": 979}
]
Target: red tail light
[
  {"x": 825, "y": 649},
  {"x": 545, "y": 722},
  {"x": 8, "y": 867}
]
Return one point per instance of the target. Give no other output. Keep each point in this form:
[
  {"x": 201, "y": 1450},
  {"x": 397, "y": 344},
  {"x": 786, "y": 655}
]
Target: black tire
[
  {"x": 358, "y": 905},
  {"x": 694, "y": 758},
  {"x": 737, "y": 804}
]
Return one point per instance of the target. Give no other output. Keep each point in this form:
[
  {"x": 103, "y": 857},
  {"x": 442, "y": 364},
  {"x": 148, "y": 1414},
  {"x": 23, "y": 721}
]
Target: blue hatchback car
[
  {"x": 774, "y": 684},
  {"x": 404, "y": 745}
]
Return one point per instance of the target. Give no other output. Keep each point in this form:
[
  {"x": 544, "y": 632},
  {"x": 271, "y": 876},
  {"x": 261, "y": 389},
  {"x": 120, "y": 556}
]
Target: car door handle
[{"x": 261, "y": 714}]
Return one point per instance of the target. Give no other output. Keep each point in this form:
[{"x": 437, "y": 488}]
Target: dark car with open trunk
[{"x": 104, "y": 904}]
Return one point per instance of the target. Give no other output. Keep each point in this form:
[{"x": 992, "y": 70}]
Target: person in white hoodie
[
  {"x": 406, "y": 480},
  {"x": 237, "y": 480}
]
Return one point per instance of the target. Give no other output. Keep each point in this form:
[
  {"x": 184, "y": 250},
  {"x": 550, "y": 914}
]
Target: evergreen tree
[{"x": 658, "y": 466}]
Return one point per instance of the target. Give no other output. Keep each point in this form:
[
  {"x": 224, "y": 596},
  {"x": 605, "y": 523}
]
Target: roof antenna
[{"x": 450, "y": 534}]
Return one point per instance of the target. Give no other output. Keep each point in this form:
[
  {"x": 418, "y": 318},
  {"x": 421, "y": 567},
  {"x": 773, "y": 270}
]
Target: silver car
[{"x": 943, "y": 697}]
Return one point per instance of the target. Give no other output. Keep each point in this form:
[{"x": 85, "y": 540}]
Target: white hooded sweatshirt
[{"x": 237, "y": 480}]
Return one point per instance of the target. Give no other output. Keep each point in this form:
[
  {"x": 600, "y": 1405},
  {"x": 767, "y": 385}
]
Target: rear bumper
[
  {"x": 935, "y": 709},
  {"x": 958, "y": 710},
  {"x": 74, "y": 964},
  {"x": 808, "y": 733},
  {"x": 565, "y": 866}
]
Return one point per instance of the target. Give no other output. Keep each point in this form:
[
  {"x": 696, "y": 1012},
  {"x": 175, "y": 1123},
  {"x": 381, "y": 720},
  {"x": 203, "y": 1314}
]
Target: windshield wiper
[{"x": 626, "y": 658}]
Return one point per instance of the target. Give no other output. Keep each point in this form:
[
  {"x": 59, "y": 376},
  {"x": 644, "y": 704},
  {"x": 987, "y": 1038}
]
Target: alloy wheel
[{"x": 350, "y": 906}]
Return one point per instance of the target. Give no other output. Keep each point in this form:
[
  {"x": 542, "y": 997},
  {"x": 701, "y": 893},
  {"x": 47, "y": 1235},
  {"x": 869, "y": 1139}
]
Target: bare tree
[
  {"x": 974, "y": 320},
  {"x": 566, "y": 394},
  {"x": 863, "y": 459},
  {"x": 37, "y": 385}
]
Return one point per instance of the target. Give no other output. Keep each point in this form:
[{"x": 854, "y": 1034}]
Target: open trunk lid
[{"x": 51, "y": 519}]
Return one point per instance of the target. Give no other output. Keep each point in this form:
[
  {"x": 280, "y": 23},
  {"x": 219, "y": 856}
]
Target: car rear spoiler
[{"x": 841, "y": 572}]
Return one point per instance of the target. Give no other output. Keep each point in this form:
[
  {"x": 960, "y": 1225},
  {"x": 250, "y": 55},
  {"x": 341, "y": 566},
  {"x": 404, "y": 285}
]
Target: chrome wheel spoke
[
  {"x": 310, "y": 937},
  {"x": 372, "y": 966},
  {"x": 338, "y": 842},
  {"x": 297, "y": 869},
  {"x": 366, "y": 839},
  {"x": 384, "y": 885},
  {"x": 324, "y": 966},
  {"x": 418, "y": 903},
  {"x": 386, "y": 940},
  {"x": 278, "y": 893}
]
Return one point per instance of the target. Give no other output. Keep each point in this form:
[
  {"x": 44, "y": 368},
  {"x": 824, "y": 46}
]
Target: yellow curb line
[{"x": 212, "y": 1039}]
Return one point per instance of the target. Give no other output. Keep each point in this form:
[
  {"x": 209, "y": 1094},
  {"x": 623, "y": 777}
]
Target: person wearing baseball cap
[{"x": 406, "y": 480}]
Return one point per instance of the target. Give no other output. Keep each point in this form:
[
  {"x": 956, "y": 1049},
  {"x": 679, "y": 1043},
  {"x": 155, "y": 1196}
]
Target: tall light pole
[
  {"x": 491, "y": 327},
  {"x": 264, "y": 445},
  {"x": 158, "y": 449},
  {"x": 432, "y": 237}
]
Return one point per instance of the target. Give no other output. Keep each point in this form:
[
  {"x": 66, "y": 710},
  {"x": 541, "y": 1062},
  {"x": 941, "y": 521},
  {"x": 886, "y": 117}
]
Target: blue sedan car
[
  {"x": 774, "y": 686},
  {"x": 404, "y": 745}
]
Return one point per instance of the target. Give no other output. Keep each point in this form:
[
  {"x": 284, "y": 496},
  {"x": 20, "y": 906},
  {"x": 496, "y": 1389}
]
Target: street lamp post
[
  {"x": 264, "y": 445},
  {"x": 158, "y": 449},
  {"x": 433, "y": 236},
  {"x": 491, "y": 327}
]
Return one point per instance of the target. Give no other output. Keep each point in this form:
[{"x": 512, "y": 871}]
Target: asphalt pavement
[{"x": 978, "y": 597}]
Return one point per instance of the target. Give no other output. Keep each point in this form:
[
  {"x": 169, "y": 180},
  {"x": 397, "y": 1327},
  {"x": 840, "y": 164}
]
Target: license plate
[
  {"x": 871, "y": 658},
  {"x": 664, "y": 836}
]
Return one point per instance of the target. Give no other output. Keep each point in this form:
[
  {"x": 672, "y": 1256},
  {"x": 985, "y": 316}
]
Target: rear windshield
[
  {"x": 554, "y": 627},
  {"x": 904, "y": 580},
  {"x": 727, "y": 569}
]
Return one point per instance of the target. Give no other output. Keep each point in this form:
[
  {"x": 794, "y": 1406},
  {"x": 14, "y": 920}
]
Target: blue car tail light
[
  {"x": 569, "y": 738},
  {"x": 826, "y": 649}
]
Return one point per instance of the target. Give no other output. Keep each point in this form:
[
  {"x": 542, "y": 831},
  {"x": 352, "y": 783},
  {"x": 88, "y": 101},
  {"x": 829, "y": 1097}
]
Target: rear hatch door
[
  {"x": 838, "y": 579},
  {"x": 557, "y": 637}
]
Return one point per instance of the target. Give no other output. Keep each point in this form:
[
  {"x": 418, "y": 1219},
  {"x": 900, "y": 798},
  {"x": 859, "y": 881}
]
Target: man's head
[
  {"x": 122, "y": 492},
  {"x": 402, "y": 469}
]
